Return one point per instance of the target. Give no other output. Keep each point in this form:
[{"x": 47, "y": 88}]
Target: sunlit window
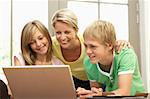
[
  {"x": 85, "y": 11},
  {"x": 5, "y": 36},
  {"x": 14, "y": 14},
  {"x": 25, "y": 11},
  {"x": 118, "y": 15},
  {"x": 115, "y": 11}
]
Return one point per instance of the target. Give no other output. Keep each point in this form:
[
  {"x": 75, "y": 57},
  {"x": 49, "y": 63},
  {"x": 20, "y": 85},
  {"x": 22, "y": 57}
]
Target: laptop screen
[{"x": 40, "y": 82}]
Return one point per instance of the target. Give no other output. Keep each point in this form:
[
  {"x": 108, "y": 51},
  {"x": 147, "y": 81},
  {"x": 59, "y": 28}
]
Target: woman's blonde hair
[
  {"x": 102, "y": 31},
  {"x": 66, "y": 16},
  {"x": 26, "y": 36}
]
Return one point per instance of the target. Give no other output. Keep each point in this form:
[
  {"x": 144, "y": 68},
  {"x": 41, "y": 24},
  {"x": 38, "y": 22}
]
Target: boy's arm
[
  {"x": 93, "y": 83},
  {"x": 95, "y": 91},
  {"x": 124, "y": 85}
]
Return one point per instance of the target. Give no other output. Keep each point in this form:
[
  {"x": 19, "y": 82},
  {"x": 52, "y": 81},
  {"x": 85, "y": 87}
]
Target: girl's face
[
  {"x": 65, "y": 34},
  {"x": 96, "y": 51},
  {"x": 39, "y": 43}
]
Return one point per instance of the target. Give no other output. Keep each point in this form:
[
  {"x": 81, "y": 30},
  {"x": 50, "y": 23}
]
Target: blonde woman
[
  {"x": 36, "y": 46},
  {"x": 68, "y": 45}
]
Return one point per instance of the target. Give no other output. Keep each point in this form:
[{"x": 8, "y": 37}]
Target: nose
[
  {"x": 38, "y": 43},
  {"x": 63, "y": 36},
  {"x": 88, "y": 50}
]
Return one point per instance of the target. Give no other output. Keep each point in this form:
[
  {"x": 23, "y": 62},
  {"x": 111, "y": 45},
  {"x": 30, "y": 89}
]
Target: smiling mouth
[
  {"x": 92, "y": 56},
  {"x": 40, "y": 48},
  {"x": 63, "y": 43}
]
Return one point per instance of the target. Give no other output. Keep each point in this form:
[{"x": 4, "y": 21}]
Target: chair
[
  {"x": 142, "y": 94},
  {"x": 3, "y": 91}
]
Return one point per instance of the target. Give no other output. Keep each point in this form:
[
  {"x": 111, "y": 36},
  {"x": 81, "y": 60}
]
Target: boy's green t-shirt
[{"x": 125, "y": 62}]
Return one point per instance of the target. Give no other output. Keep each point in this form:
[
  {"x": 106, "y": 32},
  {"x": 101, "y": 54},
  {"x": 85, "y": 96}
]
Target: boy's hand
[{"x": 83, "y": 93}]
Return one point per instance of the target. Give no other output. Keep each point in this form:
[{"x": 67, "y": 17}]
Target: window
[
  {"x": 5, "y": 30},
  {"x": 90, "y": 10},
  {"x": 23, "y": 12},
  {"x": 85, "y": 11},
  {"x": 14, "y": 14}
]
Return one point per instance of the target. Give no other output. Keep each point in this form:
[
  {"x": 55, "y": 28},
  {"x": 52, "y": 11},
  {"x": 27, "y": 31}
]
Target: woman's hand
[
  {"x": 121, "y": 44},
  {"x": 83, "y": 93}
]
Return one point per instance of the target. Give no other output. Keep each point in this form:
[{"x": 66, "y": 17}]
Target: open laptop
[{"x": 40, "y": 82}]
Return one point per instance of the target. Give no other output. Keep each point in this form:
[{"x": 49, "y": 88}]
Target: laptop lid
[{"x": 40, "y": 82}]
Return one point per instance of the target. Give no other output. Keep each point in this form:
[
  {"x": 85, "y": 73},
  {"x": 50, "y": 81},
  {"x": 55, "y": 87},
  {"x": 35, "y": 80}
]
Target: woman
[
  {"x": 36, "y": 46},
  {"x": 68, "y": 45}
]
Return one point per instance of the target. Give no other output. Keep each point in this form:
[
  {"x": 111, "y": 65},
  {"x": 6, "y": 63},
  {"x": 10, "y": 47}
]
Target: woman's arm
[{"x": 121, "y": 44}]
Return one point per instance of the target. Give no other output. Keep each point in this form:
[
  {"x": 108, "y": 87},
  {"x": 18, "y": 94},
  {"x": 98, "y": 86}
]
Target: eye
[
  {"x": 67, "y": 32},
  {"x": 58, "y": 32},
  {"x": 40, "y": 38},
  {"x": 93, "y": 47},
  {"x": 31, "y": 42}
]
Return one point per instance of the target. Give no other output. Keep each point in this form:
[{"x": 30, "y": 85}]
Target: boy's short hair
[{"x": 102, "y": 31}]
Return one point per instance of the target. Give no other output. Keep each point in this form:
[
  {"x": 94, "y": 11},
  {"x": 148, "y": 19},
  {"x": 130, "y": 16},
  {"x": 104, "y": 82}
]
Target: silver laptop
[{"x": 40, "y": 82}]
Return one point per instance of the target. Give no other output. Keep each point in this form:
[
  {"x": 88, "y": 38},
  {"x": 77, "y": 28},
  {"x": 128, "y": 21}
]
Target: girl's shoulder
[
  {"x": 19, "y": 56},
  {"x": 56, "y": 61}
]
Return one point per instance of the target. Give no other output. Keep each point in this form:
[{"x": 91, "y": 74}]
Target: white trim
[
  {"x": 126, "y": 72},
  {"x": 104, "y": 73},
  {"x": 111, "y": 69},
  {"x": 92, "y": 80}
]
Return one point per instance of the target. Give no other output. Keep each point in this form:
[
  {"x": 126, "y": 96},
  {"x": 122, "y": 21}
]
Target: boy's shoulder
[
  {"x": 88, "y": 64},
  {"x": 86, "y": 60},
  {"x": 126, "y": 51}
]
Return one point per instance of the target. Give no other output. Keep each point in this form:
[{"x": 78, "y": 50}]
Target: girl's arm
[{"x": 16, "y": 61}]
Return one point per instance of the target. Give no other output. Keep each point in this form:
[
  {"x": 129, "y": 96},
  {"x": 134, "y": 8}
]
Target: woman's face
[
  {"x": 65, "y": 34},
  {"x": 39, "y": 43}
]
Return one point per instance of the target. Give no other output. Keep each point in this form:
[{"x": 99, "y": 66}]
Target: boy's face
[{"x": 96, "y": 51}]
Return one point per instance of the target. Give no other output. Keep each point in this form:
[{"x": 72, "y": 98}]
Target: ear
[{"x": 109, "y": 46}]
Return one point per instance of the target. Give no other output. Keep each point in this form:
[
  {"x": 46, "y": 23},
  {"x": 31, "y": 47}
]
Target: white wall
[{"x": 144, "y": 6}]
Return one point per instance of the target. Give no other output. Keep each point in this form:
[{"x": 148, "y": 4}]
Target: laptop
[{"x": 40, "y": 82}]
